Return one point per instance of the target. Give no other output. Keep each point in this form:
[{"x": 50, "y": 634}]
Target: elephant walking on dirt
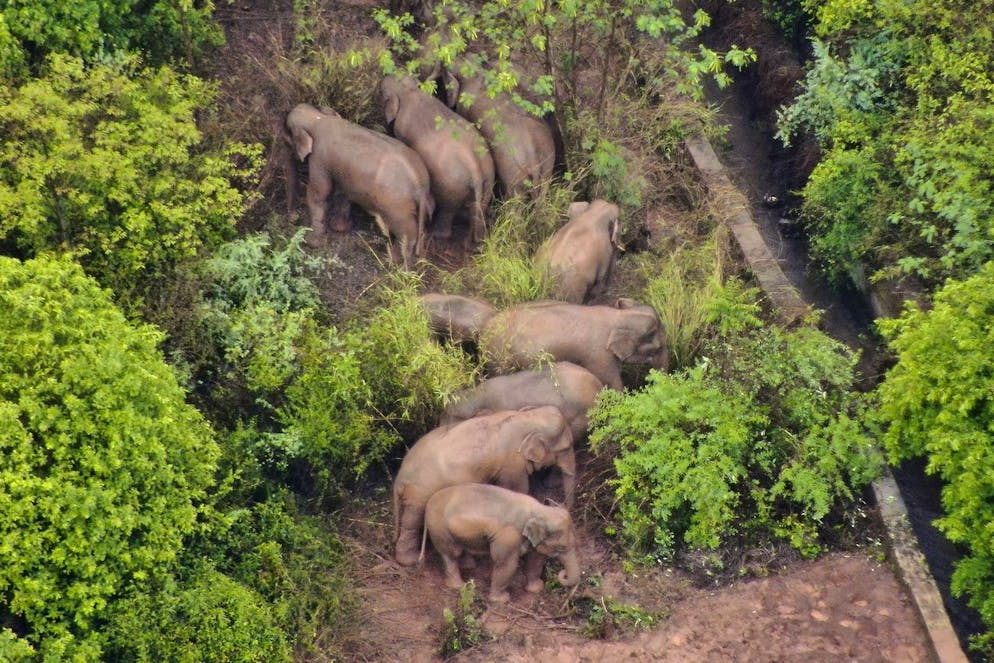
[
  {"x": 504, "y": 448},
  {"x": 580, "y": 255},
  {"x": 476, "y": 519},
  {"x": 457, "y": 157},
  {"x": 376, "y": 172},
  {"x": 571, "y": 388},
  {"x": 599, "y": 338}
]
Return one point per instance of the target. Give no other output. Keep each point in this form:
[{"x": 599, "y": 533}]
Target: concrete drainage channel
[{"x": 790, "y": 307}]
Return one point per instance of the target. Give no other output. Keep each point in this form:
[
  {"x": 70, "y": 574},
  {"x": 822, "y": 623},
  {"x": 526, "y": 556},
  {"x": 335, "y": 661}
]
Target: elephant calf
[
  {"x": 477, "y": 519},
  {"x": 457, "y": 317},
  {"x": 580, "y": 256},
  {"x": 571, "y": 388},
  {"x": 504, "y": 448}
]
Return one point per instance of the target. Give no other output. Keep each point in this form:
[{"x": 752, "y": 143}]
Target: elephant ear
[
  {"x": 578, "y": 207},
  {"x": 451, "y": 89},
  {"x": 533, "y": 449},
  {"x": 302, "y": 142},
  {"x": 535, "y": 531},
  {"x": 564, "y": 440},
  {"x": 622, "y": 342},
  {"x": 391, "y": 106}
]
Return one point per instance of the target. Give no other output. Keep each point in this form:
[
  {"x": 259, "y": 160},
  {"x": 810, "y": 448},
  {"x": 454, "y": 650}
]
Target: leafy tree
[
  {"x": 103, "y": 466},
  {"x": 106, "y": 162},
  {"x": 937, "y": 402},
  {"x": 160, "y": 29}
]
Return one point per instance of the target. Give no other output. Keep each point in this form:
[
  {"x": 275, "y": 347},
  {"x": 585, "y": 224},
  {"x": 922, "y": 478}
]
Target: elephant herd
[
  {"x": 465, "y": 484},
  {"x": 439, "y": 164}
]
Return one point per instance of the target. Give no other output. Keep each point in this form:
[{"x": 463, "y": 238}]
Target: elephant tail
[
  {"x": 426, "y": 207},
  {"x": 424, "y": 539}
]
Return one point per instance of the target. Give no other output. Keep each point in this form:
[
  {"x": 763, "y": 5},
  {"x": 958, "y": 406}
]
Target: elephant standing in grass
[
  {"x": 571, "y": 388},
  {"x": 376, "y": 172},
  {"x": 477, "y": 519},
  {"x": 599, "y": 338},
  {"x": 457, "y": 157},
  {"x": 504, "y": 448},
  {"x": 522, "y": 145},
  {"x": 457, "y": 317},
  {"x": 580, "y": 255}
]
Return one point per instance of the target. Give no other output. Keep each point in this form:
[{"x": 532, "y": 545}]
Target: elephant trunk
[
  {"x": 566, "y": 462},
  {"x": 570, "y": 575}
]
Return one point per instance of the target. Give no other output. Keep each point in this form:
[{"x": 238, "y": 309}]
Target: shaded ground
[{"x": 845, "y": 606}]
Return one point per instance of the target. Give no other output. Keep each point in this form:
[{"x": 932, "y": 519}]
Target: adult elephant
[
  {"x": 457, "y": 157},
  {"x": 457, "y": 317},
  {"x": 504, "y": 448},
  {"x": 569, "y": 387},
  {"x": 599, "y": 338},
  {"x": 476, "y": 519},
  {"x": 522, "y": 145},
  {"x": 579, "y": 256},
  {"x": 376, "y": 172}
]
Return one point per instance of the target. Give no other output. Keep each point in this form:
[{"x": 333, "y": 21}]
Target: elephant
[
  {"x": 522, "y": 145},
  {"x": 579, "y": 257},
  {"x": 379, "y": 173},
  {"x": 458, "y": 160},
  {"x": 479, "y": 519},
  {"x": 457, "y": 317},
  {"x": 504, "y": 448},
  {"x": 599, "y": 338},
  {"x": 571, "y": 388}
]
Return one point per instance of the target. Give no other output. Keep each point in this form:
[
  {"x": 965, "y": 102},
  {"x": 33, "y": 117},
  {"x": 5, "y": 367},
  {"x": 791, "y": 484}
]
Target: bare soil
[{"x": 846, "y": 606}]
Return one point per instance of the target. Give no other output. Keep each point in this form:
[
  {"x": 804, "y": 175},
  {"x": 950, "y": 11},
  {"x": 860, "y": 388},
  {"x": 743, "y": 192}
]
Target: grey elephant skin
[
  {"x": 569, "y": 387},
  {"x": 457, "y": 317},
  {"x": 599, "y": 338},
  {"x": 456, "y": 155},
  {"x": 503, "y": 448},
  {"x": 522, "y": 145},
  {"x": 475, "y": 519},
  {"x": 579, "y": 257},
  {"x": 379, "y": 173}
]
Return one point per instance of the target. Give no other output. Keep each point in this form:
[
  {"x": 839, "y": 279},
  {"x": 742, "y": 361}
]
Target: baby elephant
[
  {"x": 480, "y": 519},
  {"x": 580, "y": 256}
]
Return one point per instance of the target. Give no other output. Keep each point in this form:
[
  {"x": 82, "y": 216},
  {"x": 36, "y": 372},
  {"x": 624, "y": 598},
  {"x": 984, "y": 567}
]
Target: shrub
[
  {"x": 935, "y": 402},
  {"x": 106, "y": 162},
  {"x": 92, "y": 30},
  {"x": 208, "y": 618},
  {"x": 103, "y": 468},
  {"x": 760, "y": 440}
]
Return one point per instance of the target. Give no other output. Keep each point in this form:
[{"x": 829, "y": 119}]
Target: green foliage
[
  {"x": 161, "y": 30},
  {"x": 208, "y": 618},
  {"x": 900, "y": 97},
  {"x": 363, "y": 389},
  {"x": 936, "y": 402},
  {"x": 607, "y": 616},
  {"x": 103, "y": 467},
  {"x": 759, "y": 440},
  {"x": 462, "y": 628},
  {"x": 106, "y": 163}
]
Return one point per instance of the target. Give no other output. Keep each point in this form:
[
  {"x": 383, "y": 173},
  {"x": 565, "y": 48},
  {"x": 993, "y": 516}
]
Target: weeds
[{"x": 461, "y": 627}]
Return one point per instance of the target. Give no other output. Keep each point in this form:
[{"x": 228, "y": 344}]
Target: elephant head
[
  {"x": 391, "y": 89},
  {"x": 550, "y": 532},
  {"x": 300, "y": 123},
  {"x": 550, "y": 444},
  {"x": 608, "y": 218},
  {"x": 638, "y": 335}
]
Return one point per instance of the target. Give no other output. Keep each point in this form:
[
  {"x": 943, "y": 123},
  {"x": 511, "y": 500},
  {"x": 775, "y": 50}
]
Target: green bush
[
  {"x": 936, "y": 402},
  {"x": 759, "y": 441},
  {"x": 106, "y": 162},
  {"x": 93, "y": 30},
  {"x": 209, "y": 618},
  {"x": 103, "y": 466}
]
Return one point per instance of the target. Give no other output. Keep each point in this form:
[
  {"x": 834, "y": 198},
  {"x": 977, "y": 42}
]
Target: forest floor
[{"x": 844, "y": 606}]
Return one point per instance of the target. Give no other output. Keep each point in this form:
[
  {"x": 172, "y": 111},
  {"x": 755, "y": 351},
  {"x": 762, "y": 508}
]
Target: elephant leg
[
  {"x": 534, "y": 564},
  {"x": 393, "y": 251},
  {"x": 408, "y": 546},
  {"x": 319, "y": 188},
  {"x": 442, "y": 223},
  {"x": 505, "y": 565},
  {"x": 467, "y": 562},
  {"x": 339, "y": 206},
  {"x": 453, "y": 577}
]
